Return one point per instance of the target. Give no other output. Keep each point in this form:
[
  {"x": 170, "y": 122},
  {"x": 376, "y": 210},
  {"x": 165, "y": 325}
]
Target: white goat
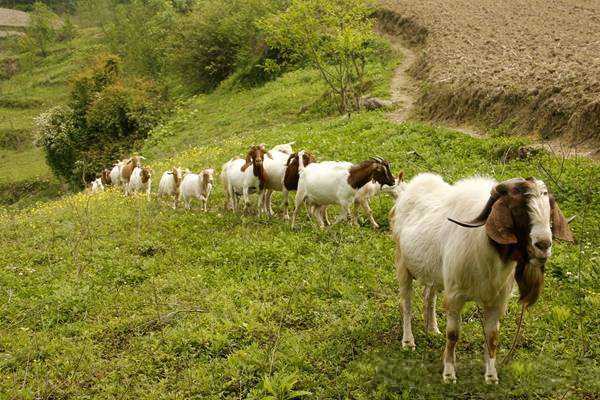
[
  {"x": 170, "y": 183},
  {"x": 333, "y": 182},
  {"x": 272, "y": 180},
  {"x": 372, "y": 189},
  {"x": 238, "y": 182},
  {"x": 115, "y": 172},
  {"x": 284, "y": 148},
  {"x": 520, "y": 219},
  {"x": 97, "y": 186},
  {"x": 197, "y": 186},
  {"x": 140, "y": 181}
]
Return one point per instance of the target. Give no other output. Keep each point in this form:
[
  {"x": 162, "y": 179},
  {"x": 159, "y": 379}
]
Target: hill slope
[
  {"x": 34, "y": 85},
  {"x": 112, "y": 297}
]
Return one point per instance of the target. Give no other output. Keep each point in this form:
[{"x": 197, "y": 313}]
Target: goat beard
[{"x": 530, "y": 278}]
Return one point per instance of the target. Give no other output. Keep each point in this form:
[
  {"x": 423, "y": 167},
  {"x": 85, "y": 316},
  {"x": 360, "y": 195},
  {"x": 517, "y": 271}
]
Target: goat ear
[
  {"x": 560, "y": 225},
  {"x": 245, "y": 166},
  {"x": 499, "y": 225}
]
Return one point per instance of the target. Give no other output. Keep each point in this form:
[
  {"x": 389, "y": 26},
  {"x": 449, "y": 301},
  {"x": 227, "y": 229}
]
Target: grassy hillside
[
  {"x": 39, "y": 84},
  {"x": 112, "y": 297}
]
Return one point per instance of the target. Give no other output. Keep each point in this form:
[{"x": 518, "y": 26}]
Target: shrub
[
  {"x": 105, "y": 120},
  {"x": 58, "y": 136},
  {"x": 67, "y": 31}
]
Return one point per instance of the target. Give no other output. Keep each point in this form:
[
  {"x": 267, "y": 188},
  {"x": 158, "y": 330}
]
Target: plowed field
[{"x": 528, "y": 67}]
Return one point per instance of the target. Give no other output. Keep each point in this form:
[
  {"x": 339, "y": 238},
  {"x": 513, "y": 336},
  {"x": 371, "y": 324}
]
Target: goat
[
  {"x": 229, "y": 201},
  {"x": 371, "y": 189},
  {"x": 513, "y": 225},
  {"x": 272, "y": 179},
  {"x": 170, "y": 183},
  {"x": 272, "y": 170},
  {"x": 97, "y": 186},
  {"x": 105, "y": 177},
  {"x": 334, "y": 182},
  {"x": 197, "y": 186},
  {"x": 284, "y": 148},
  {"x": 242, "y": 180},
  {"x": 140, "y": 181},
  {"x": 115, "y": 172},
  {"x": 127, "y": 168},
  {"x": 292, "y": 175}
]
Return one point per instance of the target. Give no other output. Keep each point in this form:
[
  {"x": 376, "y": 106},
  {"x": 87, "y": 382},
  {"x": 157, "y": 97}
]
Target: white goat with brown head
[
  {"x": 334, "y": 182},
  {"x": 140, "y": 181},
  {"x": 170, "y": 184},
  {"x": 510, "y": 234}
]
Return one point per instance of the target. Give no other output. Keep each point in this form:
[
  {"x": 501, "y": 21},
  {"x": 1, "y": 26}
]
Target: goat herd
[{"x": 467, "y": 240}]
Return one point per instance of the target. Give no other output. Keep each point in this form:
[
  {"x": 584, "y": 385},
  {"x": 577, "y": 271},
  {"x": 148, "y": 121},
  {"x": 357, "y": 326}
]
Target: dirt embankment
[{"x": 530, "y": 68}]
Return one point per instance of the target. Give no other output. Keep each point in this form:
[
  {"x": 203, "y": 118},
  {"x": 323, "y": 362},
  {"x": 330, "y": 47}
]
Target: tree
[
  {"x": 333, "y": 36},
  {"x": 40, "y": 32}
]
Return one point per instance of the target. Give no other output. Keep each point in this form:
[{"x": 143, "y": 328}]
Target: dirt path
[{"x": 404, "y": 90}]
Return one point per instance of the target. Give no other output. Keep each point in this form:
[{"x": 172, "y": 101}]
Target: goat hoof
[
  {"x": 449, "y": 375},
  {"x": 434, "y": 331},
  {"x": 489, "y": 379},
  {"x": 407, "y": 344},
  {"x": 448, "y": 378}
]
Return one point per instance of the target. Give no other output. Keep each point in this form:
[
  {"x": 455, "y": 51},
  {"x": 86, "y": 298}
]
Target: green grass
[{"x": 112, "y": 297}]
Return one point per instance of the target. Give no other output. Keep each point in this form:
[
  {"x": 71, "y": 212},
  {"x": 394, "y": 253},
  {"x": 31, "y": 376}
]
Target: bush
[
  {"x": 105, "y": 120},
  {"x": 219, "y": 38},
  {"x": 58, "y": 136},
  {"x": 67, "y": 31}
]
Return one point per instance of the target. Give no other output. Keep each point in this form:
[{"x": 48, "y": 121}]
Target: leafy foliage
[
  {"x": 105, "y": 120},
  {"x": 219, "y": 38},
  {"x": 333, "y": 36},
  {"x": 140, "y": 34}
]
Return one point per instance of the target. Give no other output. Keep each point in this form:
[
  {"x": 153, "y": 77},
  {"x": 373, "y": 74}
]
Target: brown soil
[{"x": 530, "y": 68}]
